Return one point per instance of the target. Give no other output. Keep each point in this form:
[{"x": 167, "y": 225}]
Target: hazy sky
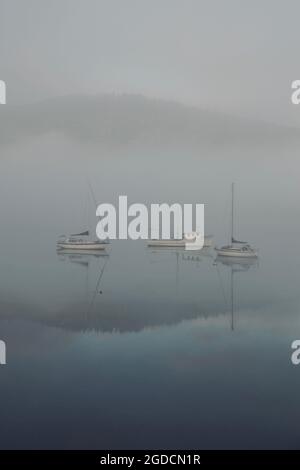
[{"x": 235, "y": 56}]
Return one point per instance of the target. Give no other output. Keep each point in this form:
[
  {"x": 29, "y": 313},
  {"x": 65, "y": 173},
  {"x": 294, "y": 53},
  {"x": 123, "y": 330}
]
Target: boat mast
[
  {"x": 232, "y": 293},
  {"x": 232, "y": 210},
  {"x": 92, "y": 193}
]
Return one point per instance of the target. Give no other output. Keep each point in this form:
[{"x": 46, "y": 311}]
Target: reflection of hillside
[
  {"x": 110, "y": 317},
  {"x": 133, "y": 317},
  {"x": 109, "y": 311}
]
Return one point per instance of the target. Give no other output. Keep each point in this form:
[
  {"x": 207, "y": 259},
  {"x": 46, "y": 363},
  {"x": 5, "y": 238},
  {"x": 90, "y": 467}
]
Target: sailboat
[
  {"x": 180, "y": 242},
  {"x": 81, "y": 241},
  {"x": 236, "y": 248}
]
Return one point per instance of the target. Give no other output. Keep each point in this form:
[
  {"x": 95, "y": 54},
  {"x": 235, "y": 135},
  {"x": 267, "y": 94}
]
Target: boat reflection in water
[
  {"x": 81, "y": 319},
  {"x": 131, "y": 296},
  {"x": 81, "y": 257},
  {"x": 119, "y": 292},
  {"x": 160, "y": 254},
  {"x": 236, "y": 265}
]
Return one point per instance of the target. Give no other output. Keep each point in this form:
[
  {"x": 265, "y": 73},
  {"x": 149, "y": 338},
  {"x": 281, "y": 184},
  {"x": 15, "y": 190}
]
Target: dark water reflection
[{"x": 143, "y": 348}]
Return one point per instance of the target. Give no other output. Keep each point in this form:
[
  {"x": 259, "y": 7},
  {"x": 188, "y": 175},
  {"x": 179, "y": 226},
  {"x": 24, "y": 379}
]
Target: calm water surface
[
  {"x": 141, "y": 349},
  {"x": 145, "y": 349}
]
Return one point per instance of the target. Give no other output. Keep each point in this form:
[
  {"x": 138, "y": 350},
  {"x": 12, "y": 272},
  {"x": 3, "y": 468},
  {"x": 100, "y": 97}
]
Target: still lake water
[{"x": 140, "y": 348}]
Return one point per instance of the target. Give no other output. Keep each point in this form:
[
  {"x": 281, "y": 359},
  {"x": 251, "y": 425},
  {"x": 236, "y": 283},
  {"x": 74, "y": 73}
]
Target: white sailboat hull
[
  {"x": 236, "y": 253},
  {"x": 181, "y": 243},
  {"x": 88, "y": 246}
]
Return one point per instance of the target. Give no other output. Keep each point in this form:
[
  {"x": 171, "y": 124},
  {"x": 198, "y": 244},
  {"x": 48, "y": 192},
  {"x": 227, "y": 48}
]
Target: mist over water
[
  {"x": 140, "y": 348},
  {"x": 137, "y": 348}
]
